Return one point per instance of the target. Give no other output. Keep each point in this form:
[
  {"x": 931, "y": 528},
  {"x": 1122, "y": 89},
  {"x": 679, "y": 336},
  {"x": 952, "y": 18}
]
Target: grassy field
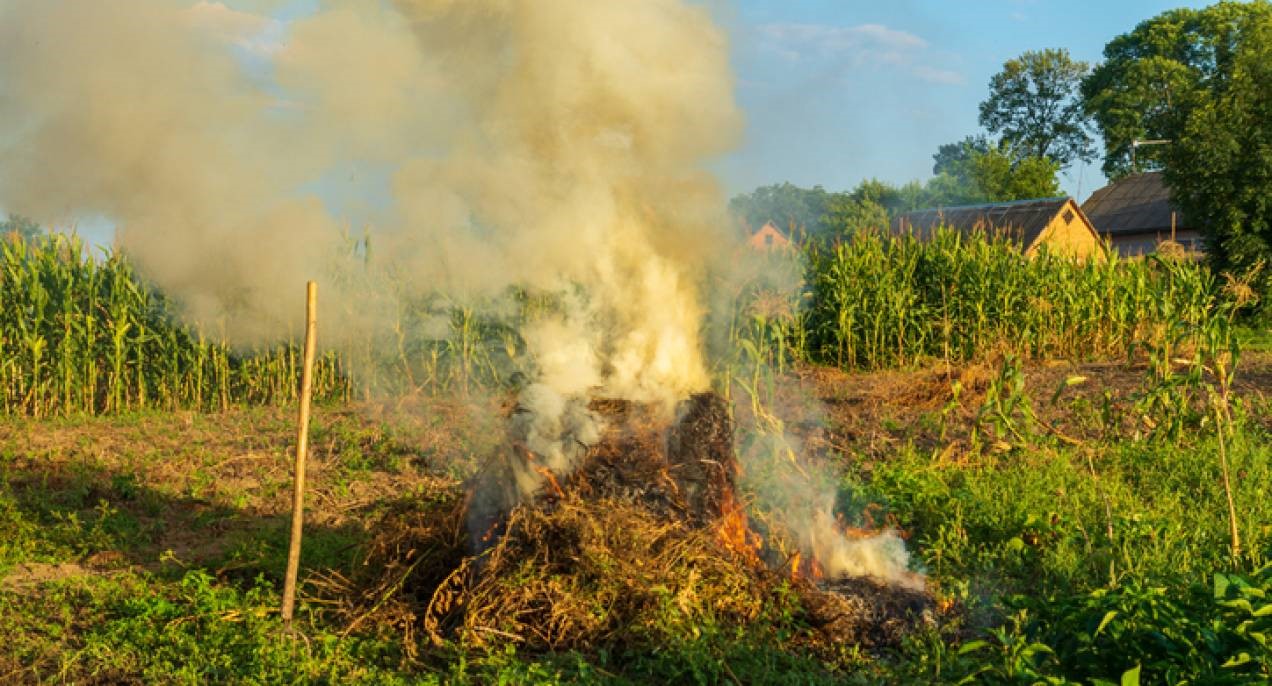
[
  {"x": 148, "y": 547},
  {"x": 1071, "y": 452}
]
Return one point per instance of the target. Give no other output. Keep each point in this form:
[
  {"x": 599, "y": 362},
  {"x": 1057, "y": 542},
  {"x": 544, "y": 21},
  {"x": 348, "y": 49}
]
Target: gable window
[{"x": 1067, "y": 216}]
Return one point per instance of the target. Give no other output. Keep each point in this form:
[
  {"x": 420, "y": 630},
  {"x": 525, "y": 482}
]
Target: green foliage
[
  {"x": 820, "y": 214},
  {"x": 1153, "y": 77},
  {"x": 1007, "y": 410},
  {"x": 89, "y": 335},
  {"x": 786, "y": 205},
  {"x": 1220, "y": 167},
  {"x": 849, "y": 214},
  {"x": 79, "y": 335},
  {"x": 1089, "y": 570},
  {"x": 995, "y": 174},
  {"x": 951, "y": 157},
  {"x": 972, "y": 171},
  {"x": 1033, "y": 103},
  {"x": 22, "y": 227},
  {"x": 883, "y": 301},
  {"x": 196, "y": 630}
]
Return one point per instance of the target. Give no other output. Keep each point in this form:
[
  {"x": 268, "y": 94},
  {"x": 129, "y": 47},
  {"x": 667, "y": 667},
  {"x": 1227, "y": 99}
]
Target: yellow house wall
[{"x": 1073, "y": 239}]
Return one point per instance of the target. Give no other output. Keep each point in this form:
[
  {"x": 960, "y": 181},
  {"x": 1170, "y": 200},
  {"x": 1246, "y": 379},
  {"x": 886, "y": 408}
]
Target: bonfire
[{"x": 649, "y": 517}]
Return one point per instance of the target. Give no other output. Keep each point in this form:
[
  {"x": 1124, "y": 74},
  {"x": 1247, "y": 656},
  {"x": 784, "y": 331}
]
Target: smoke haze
[{"x": 554, "y": 145}]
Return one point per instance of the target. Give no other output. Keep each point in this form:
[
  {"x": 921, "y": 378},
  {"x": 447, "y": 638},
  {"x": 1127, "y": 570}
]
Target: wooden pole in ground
[{"x": 302, "y": 447}]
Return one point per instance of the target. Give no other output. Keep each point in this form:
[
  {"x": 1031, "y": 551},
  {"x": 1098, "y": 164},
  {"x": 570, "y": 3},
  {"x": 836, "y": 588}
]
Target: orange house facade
[{"x": 768, "y": 239}]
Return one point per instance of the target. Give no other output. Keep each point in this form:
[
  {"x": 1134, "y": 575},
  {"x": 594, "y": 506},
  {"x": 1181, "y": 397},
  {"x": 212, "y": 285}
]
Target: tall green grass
[
  {"x": 81, "y": 335},
  {"x": 880, "y": 301},
  {"x": 88, "y": 335}
]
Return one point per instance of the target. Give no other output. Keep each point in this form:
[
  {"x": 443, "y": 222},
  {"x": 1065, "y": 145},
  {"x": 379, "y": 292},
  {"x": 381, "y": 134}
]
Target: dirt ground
[
  {"x": 207, "y": 489},
  {"x": 215, "y": 489},
  {"x": 872, "y": 414}
]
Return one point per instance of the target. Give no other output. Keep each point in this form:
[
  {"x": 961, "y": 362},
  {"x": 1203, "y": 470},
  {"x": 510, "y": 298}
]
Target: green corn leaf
[{"x": 1108, "y": 617}]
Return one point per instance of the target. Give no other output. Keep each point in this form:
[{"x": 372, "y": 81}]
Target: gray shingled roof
[
  {"x": 1139, "y": 203},
  {"x": 1023, "y": 218}
]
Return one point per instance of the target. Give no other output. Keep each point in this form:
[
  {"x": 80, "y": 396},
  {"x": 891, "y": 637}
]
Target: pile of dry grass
[
  {"x": 593, "y": 572},
  {"x": 623, "y": 554}
]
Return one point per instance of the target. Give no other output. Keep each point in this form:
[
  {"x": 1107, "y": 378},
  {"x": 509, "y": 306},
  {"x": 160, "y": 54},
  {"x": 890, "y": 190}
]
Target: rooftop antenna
[{"x": 1135, "y": 143}]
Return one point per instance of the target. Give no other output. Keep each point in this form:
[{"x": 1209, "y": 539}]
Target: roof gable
[
  {"x": 1023, "y": 219},
  {"x": 1138, "y": 203},
  {"x": 768, "y": 236}
]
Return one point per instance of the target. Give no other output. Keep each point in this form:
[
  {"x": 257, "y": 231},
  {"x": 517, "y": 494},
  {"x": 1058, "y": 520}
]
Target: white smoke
[
  {"x": 559, "y": 146},
  {"x": 554, "y": 145}
]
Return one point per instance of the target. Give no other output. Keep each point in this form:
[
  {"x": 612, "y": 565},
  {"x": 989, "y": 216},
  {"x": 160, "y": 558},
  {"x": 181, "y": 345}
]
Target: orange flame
[
  {"x": 734, "y": 532},
  {"x": 806, "y": 568},
  {"x": 547, "y": 474}
]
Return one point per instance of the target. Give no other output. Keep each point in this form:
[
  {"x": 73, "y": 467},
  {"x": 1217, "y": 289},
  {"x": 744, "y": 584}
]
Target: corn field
[
  {"x": 885, "y": 301},
  {"x": 83, "y": 336},
  {"x": 89, "y": 336}
]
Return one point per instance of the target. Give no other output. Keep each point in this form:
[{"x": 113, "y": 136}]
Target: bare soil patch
[{"x": 873, "y": 413}]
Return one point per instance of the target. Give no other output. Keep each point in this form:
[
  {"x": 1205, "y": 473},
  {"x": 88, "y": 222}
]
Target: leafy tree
[
  {"x": 1220, "y": 168},
  {"x": 786, "y": 205},
  {"x": 996, "y": 174},
  {"x": 1156, "y": 75},
  {"x": 1034, "y": 105},
  {"x": 23, "y": 227},
  {"x": 912, "y": 196},
  {"x": 949, "y": 156},
  {"x": 848, "y": 215}
]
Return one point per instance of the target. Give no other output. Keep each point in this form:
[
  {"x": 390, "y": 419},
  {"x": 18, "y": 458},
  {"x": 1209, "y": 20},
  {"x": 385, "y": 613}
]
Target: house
[
  {"x": 1057, "y": 223},
  {"x": 768, "y": 238},
  {"x": 1135, "y": 213}
]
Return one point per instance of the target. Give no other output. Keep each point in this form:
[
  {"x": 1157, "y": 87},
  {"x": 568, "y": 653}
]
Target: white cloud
[{"x": 864, "y": 44}]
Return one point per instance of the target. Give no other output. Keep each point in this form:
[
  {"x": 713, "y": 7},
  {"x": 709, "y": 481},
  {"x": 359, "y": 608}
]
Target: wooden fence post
[{"x": 302, "y": 447}]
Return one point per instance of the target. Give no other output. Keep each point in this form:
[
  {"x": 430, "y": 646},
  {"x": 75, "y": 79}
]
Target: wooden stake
[
  {"x": 1172, "y": 227},
  {"x": 1233, "y": 532},
  {"x": 302, "y": 448}
]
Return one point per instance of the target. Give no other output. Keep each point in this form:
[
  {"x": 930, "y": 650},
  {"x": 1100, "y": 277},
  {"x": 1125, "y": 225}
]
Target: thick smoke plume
[{"x": 557, "y": 146}]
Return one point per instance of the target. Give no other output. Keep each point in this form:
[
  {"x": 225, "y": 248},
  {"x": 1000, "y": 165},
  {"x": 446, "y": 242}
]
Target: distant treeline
[{"x": 972, "y": 171}]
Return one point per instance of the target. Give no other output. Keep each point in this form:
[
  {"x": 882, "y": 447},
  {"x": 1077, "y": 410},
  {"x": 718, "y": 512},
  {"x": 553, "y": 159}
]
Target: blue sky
[
  {"x": 840, "y": 90},
  {"x": 836, "y": 91}
]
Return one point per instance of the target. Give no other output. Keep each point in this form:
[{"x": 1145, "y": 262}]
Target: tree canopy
[
  {"x": 786, "y": 205},
  {"x": 1156, "y": 75},
  {"x": 993, "y": 173},
  {"x": 948, "y": 157},
  {"x": 1220, "y": 167},
  {"x": 1034, "y": 105},
  {"x": 23, "y": 227}
]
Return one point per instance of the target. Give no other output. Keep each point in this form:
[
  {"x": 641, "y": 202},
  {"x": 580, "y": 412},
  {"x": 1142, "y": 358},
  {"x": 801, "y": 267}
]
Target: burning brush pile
[
  {"x": 646, "y": 537},
  {"x": 545, "y": 164}
]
